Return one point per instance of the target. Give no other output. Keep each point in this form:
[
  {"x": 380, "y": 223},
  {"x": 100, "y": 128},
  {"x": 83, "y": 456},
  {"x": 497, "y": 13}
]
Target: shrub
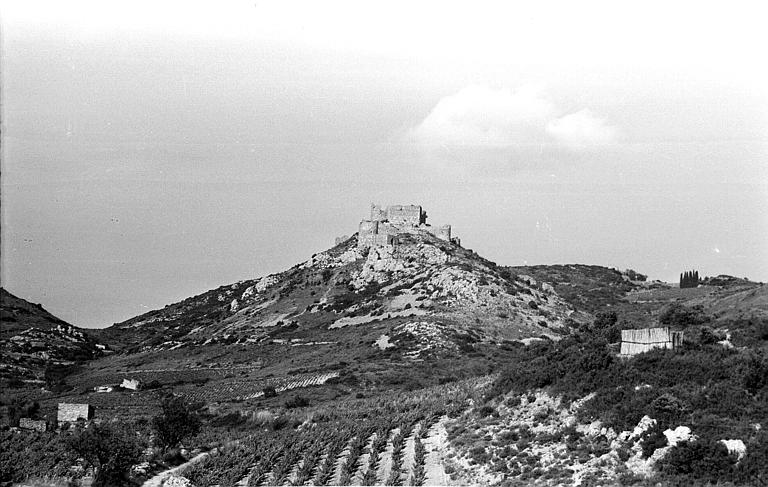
[
  {"x": 680, "y": 316},
  {"x": 269, "y": 391},
  {"x": 605, "y": 319},
  {"x": 652, "y": 439},
  {"x": 297, "y": 402},
  {"x": 702, "y": 460},
  {"x": 177, "y": 421},
  {"x": 668, "y": 409},
  {"x": 110, "y": 450}
]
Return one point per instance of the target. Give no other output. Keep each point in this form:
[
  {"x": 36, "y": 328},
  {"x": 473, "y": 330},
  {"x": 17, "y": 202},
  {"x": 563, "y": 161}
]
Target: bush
[
  {"x": 680, "y": 316},
  {"x": 110, "y": 450},
  {"x": 701, "y": 460},
  {"x": 652, "y": 439},
  {"x": 668, "y": 409},
  {"x": 269, "y": 391},
  {"x": 177, "y": 421},
  {"x": 297, "y": 402},
  {"x": 605, "y": 319}
]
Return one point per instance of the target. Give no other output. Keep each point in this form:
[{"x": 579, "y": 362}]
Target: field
[{"x": 392, "y": 441}]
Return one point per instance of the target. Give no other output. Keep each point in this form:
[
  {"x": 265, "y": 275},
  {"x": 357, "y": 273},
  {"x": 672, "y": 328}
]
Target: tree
[
  {"x": 177, "y": 422},
  {"x": 605, "y": 319},
  {"x": 20, "y": 408},
  {"x": 677, "y": 315},
  {"x": 689, "y": 279},
  {"x": 110, "y": 450}
]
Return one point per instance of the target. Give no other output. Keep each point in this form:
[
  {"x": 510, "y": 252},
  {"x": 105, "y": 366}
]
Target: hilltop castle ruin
[{"x": 385, "y": 223}]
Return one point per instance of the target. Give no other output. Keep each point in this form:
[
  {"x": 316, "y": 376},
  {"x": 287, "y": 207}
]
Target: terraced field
[{"x": 370, "y": 442}]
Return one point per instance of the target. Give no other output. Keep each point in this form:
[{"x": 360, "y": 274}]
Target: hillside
[
  {"x": 419, "y": 362},
  {"x": 33, "y": 339},
  {"x": 423, "y": 296}
]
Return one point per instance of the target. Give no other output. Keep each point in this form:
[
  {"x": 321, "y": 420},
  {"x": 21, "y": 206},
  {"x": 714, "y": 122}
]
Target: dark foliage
[
  {"x": 701, "y": 460},
  {"x": 177, "y": 421},
  {"x": 33, "y": 454},
  {"x": 679, "y": 316},
  {"x": 269, "y": 391},
  {"x": 19, "y": 408},
  {"x": 296, "y": 402},
  {"x": 653, "y": 439},
  {"x": 110, "y": 449},
  {"x": 689, "y": 279}
]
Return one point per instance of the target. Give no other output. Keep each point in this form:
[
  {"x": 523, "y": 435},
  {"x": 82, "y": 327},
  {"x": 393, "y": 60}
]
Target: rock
[
  {"x": 249, "y": 291},
  {"x": 679, "y": 434},
  {"x": 177, "y": 481},
  {"x": 735, "y": 447},
  {"x": 234, "y": 306},
  {"x": 645, "y": 423}
]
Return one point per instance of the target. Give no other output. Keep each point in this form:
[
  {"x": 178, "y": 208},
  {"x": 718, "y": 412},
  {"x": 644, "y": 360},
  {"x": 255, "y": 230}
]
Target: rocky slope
[
  {"x": 423, "y": 286},
  {"x": 32, "y": 339}
]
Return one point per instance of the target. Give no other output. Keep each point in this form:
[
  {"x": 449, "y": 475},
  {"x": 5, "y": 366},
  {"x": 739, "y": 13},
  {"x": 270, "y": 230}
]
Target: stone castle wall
[
  {"x": 406, "y": 215},
  {"x": 386, "y": 223}
]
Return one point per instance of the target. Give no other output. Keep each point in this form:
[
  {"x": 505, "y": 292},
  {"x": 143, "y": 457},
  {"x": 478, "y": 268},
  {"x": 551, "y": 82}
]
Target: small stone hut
[
  {"x": 70, "y": 413},
  {"x": 644, "y": 339},
  {"x": 132, "y": 384}
]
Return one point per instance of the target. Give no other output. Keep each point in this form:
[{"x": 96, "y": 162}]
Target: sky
[{"x": 154, "y": 150}]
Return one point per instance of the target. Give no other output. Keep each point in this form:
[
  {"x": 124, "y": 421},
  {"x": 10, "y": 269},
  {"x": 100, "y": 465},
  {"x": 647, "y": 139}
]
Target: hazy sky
[{"x": 154, "y": 150}]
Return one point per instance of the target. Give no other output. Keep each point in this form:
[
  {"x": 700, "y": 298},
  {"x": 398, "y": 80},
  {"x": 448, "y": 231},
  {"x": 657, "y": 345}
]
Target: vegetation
[
  {"x": 689, "y": 279},
  {"x": 718, "y": 392},
  {"x": 177, "y": 421},
  {"x": 110, "y": 450},
  {"x": 34, "y": 455}
]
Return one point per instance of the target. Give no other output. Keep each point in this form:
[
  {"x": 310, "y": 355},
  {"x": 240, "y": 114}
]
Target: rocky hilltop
[
  {"x": 422, "y": 284},
  {"x": 399, "y": 357}
]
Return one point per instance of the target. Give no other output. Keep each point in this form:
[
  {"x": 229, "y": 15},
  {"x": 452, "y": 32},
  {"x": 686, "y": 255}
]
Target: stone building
[
  {"x": 70, "y": 413},
  {"x": 642, "y": 340},
  {"x": 132, "y": 384},
  {"x": 385, "y": 223}
]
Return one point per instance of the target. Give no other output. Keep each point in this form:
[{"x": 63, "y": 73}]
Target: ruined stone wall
[
  {"x": 377, "y": 213},
  {"x": 406, "y": 215},
  {"x": 31, "y": 424},
  {"x": 368, "y": 227},
  {"x": 375, "y": 240},
  {"x": 444, "y": 232},
  {"x": 72, "y": 412}
]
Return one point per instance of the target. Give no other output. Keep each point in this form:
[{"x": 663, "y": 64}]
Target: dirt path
[
  {"x": 436, "y": 445},
  {"x": 408, "y": 454},
  {"x": 158, "y": 479},
  {"x": 336, "y": 479},
  {"x": 362, "y": 463},
  {"x": 385, "y": 463}
]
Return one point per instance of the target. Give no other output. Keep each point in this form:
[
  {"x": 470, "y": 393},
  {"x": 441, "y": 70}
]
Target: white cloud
[
  {"x": 481, "y": 116},
  {"x": 581, "y": 130}
]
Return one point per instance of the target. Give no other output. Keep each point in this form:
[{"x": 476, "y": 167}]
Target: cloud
[
  {"x": 480, "y": 118},
  {"x": 581, "y": 130}
]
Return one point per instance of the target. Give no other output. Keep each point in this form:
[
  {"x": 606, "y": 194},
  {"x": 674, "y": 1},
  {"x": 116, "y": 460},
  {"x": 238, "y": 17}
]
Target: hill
[
  {"x": 378, "y": 312},
  {"x": 416, "y": 361},
  {"x": 32, "y": 339}
]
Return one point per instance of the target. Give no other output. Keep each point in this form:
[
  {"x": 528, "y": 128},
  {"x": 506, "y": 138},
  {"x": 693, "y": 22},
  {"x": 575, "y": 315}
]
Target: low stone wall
[{"x": 32, "y": 424}]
